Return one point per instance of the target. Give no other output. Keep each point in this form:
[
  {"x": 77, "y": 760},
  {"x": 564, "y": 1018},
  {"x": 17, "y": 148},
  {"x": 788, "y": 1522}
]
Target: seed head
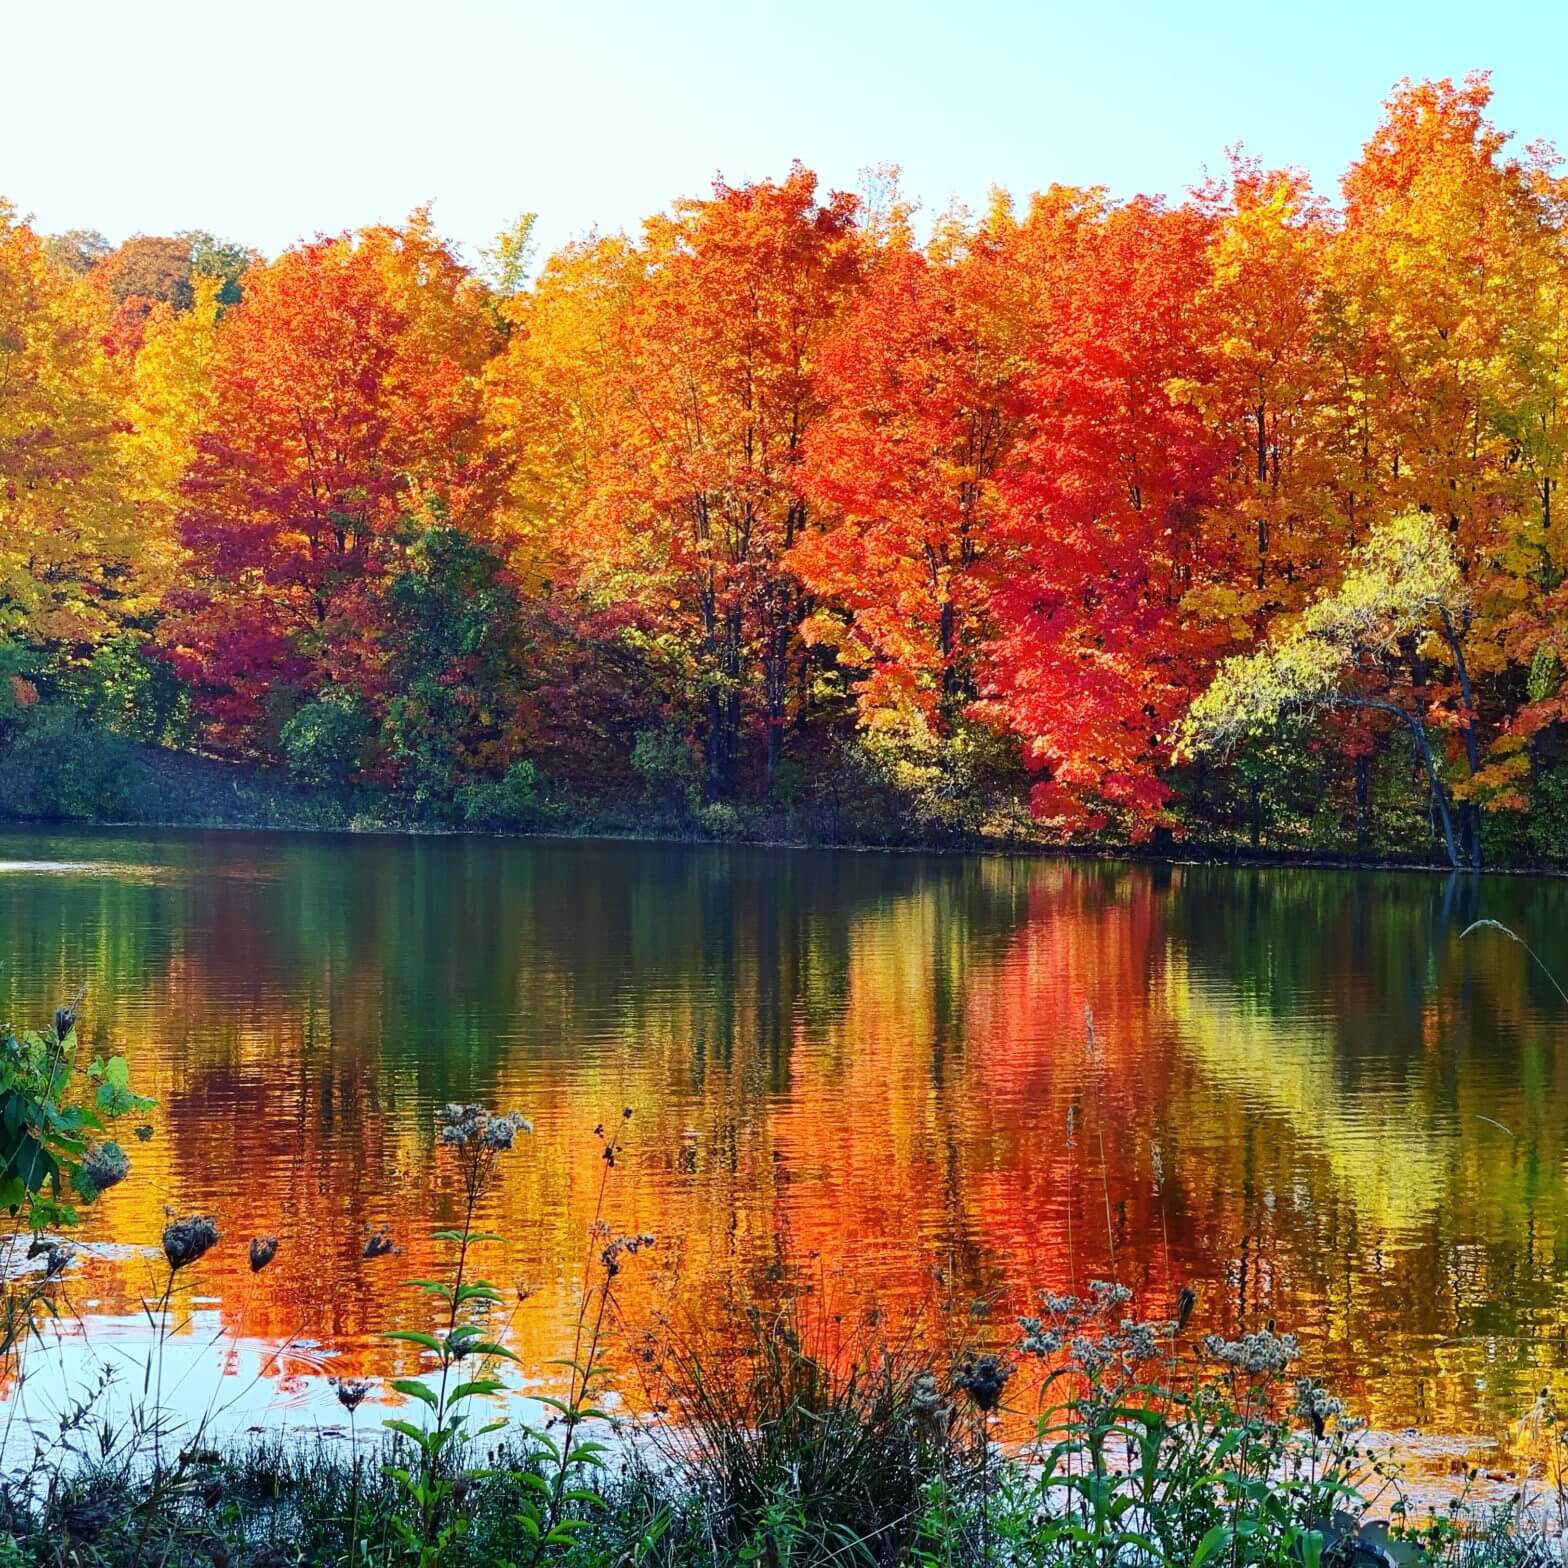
[
  {"x": 106, "y": 1165},
  {"x": 379, "y": 1243},
  {"x": 263, "y": 1249},
  {"x": 624, "y": 1246},
  {"x": 351, "y": 1392},
  {"x": 466, "y": 1126},
  {"x": 1261, "y": 1353},
  {"x": 983, "y": 1381},
  {"x": 186, "y": 1240},
  {"x": 927, "y": 1409},
  {"x": 1316, "y": 1404}
]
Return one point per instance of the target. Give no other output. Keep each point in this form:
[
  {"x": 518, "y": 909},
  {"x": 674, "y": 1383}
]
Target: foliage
[
  {"x": 326, "y": 740},
  {"x": 516, "y": 799},
  {"x": 58, "y": 767},
  {"x": 663, "y": 760},
  {"x": 788, "y": 481},
  {"x": 1403, "y": 585},
  {"x": 54, "y": 1110}
]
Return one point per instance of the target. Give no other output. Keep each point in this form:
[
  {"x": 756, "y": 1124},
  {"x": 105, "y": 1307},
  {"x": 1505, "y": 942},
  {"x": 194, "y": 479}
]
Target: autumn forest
[{"x": 1231, "y": 518}]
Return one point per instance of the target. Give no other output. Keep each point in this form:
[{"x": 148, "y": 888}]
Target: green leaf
[
  {"x": 475, "y": 1387},
  {"x": 434, "y": 1287},
  {"x": 415, "y": 1390},
  {"x": 35, "y": 1165},
  {"x": 415, "y": 1337}
]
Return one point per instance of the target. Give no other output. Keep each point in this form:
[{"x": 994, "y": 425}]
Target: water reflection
[{"x": 873, "y": 1066}]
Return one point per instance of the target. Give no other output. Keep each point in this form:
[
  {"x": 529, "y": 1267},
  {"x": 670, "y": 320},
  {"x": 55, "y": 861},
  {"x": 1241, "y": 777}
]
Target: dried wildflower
[
  {"x": 1091, "y": 1356},
  {"x": 1316, "y": 1405},
  {"x": 351, "y": 1392},
  {"x": 379, "y": 1243},
  {"x": 1140, "y": 1342},
  {"x": 1108, "y": 1295},
  {"x": 1185, "y": 1302},
  {"x": 624, "y": 1246},
  {"x": 463, "y": 1126},
  {"x": 927, "y": 1409},
  {"x": 184, "y": 1241},
  {"x": 1261, "y": 1353},
  {"x": 106, "y": 1165},
  {"x": 1038, "y": 1340},
  {"x": 56, "y": 1255},
  {"x": 983, "y": 1380},
  {"x": 263, "y": 1249}
]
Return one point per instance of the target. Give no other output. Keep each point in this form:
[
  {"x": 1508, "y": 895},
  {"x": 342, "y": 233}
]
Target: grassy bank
[
  {"x": 1180, "y": 1451},
  {"x": 62, "y": 769}
]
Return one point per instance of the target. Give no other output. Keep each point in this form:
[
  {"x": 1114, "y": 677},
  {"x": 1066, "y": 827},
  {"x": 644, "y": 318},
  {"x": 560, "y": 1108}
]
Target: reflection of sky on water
[{"x": 209, "y": 1384}]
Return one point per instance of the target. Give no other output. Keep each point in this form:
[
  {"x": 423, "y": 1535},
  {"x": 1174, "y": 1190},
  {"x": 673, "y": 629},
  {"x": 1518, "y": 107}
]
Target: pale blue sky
[{"x": 275, "y": 120}]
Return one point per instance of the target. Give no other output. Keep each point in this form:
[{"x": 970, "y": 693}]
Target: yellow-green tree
[{"x": 1346, "y": 650}]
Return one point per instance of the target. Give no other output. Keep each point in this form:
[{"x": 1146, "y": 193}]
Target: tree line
[{"x": 1230, "y": 515}]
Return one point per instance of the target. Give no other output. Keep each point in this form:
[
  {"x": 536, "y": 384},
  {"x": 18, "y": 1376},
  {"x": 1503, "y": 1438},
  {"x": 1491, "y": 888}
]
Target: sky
[{"x": 272, "y": 122}]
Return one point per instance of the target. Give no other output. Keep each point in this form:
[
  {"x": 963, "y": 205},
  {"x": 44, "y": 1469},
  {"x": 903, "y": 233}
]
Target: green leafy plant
[
  {"x": 435, "y": 1481},
  {"x": 51, "y": 1110}
]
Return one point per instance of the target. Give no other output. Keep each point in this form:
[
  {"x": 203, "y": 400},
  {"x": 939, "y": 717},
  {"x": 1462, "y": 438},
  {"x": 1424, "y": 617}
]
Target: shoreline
[{"x": 1211, "y": 857}]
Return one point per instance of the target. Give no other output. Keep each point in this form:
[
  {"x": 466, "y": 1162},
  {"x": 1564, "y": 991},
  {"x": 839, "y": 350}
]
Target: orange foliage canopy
[
  {"x": 775, "y": 468},
  {"x": 346, "y": 406}
]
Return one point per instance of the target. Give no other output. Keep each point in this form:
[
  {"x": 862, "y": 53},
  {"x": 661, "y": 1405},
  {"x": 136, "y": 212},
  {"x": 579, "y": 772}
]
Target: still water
[{"x": 1307, "y": 1095}]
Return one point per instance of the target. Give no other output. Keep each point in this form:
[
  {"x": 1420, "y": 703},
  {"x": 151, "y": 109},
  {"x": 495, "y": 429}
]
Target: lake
[{"x": 1305, "y": 1094}]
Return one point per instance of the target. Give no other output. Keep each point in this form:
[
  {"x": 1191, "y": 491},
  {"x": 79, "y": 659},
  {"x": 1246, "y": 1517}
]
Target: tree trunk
[
  {"x": 1424, "y": 746},
  {"x": 1472, "y": 812},
  {"x": 1363, "y": 800}
]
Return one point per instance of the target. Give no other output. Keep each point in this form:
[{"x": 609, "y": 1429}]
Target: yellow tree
[
  {"x": 1264, "y": 387},
  {"x": 1442, "y": 241},
  {"x": 546, "y": 400},
  {"x": 72, "y": 560},
  {"x": 170, "y": 400}
]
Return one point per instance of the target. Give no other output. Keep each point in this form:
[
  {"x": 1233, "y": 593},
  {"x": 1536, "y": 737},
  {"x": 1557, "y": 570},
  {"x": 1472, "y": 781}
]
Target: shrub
[
  {"x": 719, "y": 819},
  {"x": 516, "y": 799},
  {"x": 59, "y": 768},
  {"x": 667, "y": 766},
  {"x": 325, "y": 740}
]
